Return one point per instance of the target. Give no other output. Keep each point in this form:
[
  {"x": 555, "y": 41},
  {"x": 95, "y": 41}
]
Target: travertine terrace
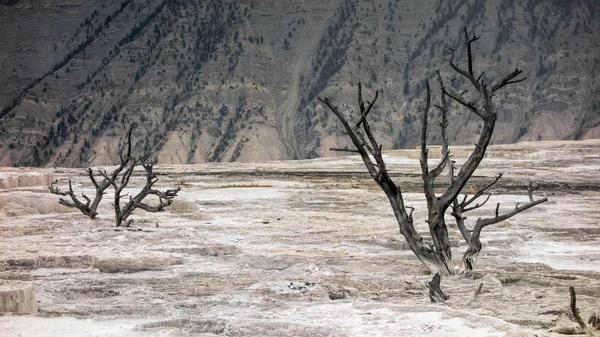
[{"x": 300, "y": 248}]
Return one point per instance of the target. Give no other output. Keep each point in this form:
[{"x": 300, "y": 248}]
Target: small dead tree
[
  {"x": 165, "y": 198},
  {"x": 90, "y": 207},
  {"x": 437, "y": 257},
  {"x": 119, "y": 180}
]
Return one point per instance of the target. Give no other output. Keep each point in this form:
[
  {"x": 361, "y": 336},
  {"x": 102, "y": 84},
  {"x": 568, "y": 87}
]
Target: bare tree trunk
[
  {"x": 436, "y": 294},
  {"x": 589, "y": 329},
  {"x": 441, "y": 241}
]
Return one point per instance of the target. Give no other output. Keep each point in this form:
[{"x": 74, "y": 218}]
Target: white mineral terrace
[{"x": 299, "y": 248}]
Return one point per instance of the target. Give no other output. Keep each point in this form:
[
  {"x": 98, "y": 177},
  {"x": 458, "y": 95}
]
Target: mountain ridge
[{"x": 238, "y": 80}]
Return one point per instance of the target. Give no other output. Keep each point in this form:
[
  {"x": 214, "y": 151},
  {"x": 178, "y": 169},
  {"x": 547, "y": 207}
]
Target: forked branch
[
  {"x": 364, "y": 112},
  {"x": 75, "y": 202},
  {"x": 466, "y": 202},
  {"x": 473, "y": 237},
  {"x": 429, "y": 176},
  {"x": 518, "y": 209},
  {"x": 509, "y": 79},
  {"x": 459, "y": 208},
  {"x": 468, "y": 74}
]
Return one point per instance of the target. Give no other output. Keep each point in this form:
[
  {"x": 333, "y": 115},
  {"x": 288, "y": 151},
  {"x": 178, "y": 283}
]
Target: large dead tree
[{"x": 438, "y": 257}]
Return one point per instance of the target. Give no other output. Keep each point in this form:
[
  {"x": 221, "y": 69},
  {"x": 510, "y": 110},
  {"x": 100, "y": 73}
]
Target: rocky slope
[{"x": 237, "y": 80}]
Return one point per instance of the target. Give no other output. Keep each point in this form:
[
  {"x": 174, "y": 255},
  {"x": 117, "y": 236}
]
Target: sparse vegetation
[{"x": 142, "y": 55}]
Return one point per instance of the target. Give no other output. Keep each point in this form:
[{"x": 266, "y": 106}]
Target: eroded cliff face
[{"x": 238, "y": 80}]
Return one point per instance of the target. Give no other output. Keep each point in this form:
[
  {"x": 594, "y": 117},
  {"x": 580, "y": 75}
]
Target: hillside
[{"x": 237, "y": 80}]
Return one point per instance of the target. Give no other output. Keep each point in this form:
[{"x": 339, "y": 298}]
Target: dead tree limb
[
  {"x": 593, "y": 324},
  {"x": 475, "y": 294},
  {"x": 594, "y": 321},
  {"x": 85, "y": 208},
  {"x": 573, "y": 306},
  {"x": 345, "y": 149},
  {"x": 473, "y": 236}
]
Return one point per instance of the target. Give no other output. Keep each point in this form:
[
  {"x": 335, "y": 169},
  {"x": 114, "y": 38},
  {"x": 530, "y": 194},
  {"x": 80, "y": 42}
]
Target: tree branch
[
  {"x": 439, "y": 168},
  {"x": 459, "y": 99},
  {"x": 573, "y": 306},
  {"x": 475, "y": 294},
  {"x": 357, "y": 139},
  {"x": 125, "y": 151},
  {"x": 509, "y": 79},
  {"x": 345, "y": 149},
  {"x": 75, "y": 202},
  {"x": 424, "y": 151},
  {"x": 467, "y": 74},
  {"x": 497, "y": 218},
  {"x": 478, "y": 194},
  {"x": 469, "y": 52},
  {"x": 92, "y": 178},
  {"x": 364, "y": 112},
  {"x": 593, "y": 326}
]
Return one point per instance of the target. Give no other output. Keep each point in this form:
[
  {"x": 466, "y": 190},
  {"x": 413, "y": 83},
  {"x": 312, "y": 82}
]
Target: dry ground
[{"x": 302, "y": 248}]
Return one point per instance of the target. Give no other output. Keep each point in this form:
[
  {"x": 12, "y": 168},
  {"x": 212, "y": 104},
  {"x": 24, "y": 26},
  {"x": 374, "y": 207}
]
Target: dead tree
[
  {"x": 90, "y": 207},
  {"x": 122, "y": 213},
  {"x": 120, "y": 178},
  {"x": 437, "y": 257}
]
